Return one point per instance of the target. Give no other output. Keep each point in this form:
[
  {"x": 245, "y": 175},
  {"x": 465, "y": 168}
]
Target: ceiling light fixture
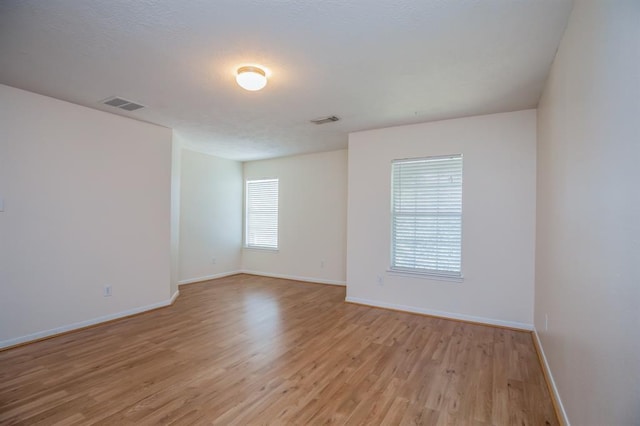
[{"x": 251, "y": 78}]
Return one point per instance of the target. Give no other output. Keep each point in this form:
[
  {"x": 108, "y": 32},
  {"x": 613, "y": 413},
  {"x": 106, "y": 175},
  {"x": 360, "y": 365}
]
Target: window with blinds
[
  {"x": 261, "y": 214},
  {"x": 426, "y": 215}
]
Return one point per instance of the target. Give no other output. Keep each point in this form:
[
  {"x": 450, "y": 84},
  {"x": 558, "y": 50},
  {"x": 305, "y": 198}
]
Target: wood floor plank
[{"x": 256, "y": 350}]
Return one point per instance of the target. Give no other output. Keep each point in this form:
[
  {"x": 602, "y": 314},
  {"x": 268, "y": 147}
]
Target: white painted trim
[
  {"x": 294, "y": 278},
  {"x": 208, "y": 277},
  {"x": 83, "y": 324},
  {"x": 258, "y": 248},
  {"x": 442, "y": 314},
  {"x": 425, "y": 276},
  {"x": 174, "y": 297},
  {"x": 545, "y": 365}
]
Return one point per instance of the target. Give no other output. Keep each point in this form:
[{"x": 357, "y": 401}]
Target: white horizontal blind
[
  {"x": 427, "y": 215},
  {"x": 262, "y": 213}
]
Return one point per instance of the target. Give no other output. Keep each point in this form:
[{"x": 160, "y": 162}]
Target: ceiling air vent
[
  {"x": 324, "y": 120},
  {"x": 124, "y": 104}
]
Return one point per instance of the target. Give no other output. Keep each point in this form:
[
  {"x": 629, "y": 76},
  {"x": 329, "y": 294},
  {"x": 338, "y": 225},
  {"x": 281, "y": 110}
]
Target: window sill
[
  {"x": 275, "y": 250},
  {"x": 425, "y": 276}
]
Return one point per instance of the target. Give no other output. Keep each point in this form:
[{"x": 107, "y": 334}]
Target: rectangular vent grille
[
  {"x": 124, "y": 104},
  {"x": 325, "y": 120}
]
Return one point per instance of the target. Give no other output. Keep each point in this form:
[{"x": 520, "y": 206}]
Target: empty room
[{"x": 320, "y": 212}]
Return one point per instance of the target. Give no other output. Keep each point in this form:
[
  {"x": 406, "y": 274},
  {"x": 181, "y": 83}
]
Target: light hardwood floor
[{"x": 254, "y": 350}]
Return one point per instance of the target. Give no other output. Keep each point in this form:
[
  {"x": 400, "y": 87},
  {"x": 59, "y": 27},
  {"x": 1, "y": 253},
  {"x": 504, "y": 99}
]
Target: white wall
[
  {"x": 86, "y": 199},
  {"x": 588, "y": 233},
  {"x": 210, "y": 216},
  {"x": 176, "y": 174},
  {"x": 312, "y": 217},
  {"x": 498, "y": 218}
]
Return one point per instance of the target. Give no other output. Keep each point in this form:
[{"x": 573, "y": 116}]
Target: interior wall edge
[
  {"x": 208, "y": 277},
  {"x": 54, "y": 332},
  {"x": 295, "y": 278},
  {"x": 441, "y": 314},
  {"x": 551, "y": 384}
]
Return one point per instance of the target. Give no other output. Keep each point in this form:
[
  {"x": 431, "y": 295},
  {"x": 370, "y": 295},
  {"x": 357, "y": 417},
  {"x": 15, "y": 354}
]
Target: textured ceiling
[{"x": 372, "y": 63}]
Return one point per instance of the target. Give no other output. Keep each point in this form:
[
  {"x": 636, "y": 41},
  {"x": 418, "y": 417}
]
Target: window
[
  {"x": 261, "y": 214},
  {"x": 426, "y": 216}
]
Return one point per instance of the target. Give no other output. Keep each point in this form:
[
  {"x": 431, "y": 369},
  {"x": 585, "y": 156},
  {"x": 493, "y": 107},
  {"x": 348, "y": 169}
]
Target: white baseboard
[
  {"x": 549, "y": 376},
  {"x": 208, "y": 277},
  {"x": 83, "y": 324},
  {"x": 295, "y": 278},
  {"x": 442, "y": 314}
]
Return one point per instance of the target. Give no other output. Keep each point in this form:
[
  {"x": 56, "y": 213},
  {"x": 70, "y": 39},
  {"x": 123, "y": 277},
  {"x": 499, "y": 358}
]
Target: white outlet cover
[{"x": 546, "y": 322}]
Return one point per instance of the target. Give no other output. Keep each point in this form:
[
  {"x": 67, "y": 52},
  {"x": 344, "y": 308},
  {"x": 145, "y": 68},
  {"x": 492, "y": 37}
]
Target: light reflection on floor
[{"x": 262, "y": 321}]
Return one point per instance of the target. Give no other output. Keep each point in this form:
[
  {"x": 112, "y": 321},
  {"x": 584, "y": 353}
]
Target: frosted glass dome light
[{"x": 251, "y": 78}]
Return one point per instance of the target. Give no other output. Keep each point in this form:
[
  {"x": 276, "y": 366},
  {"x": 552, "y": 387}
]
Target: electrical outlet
[
  {"x": 213, "y": 260},
  {"x": 380, "y": 280},
  {"x": 322, "y": 263},
  {"x": 546, "y": 322},
  {"x": 106, "y": 291}
]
